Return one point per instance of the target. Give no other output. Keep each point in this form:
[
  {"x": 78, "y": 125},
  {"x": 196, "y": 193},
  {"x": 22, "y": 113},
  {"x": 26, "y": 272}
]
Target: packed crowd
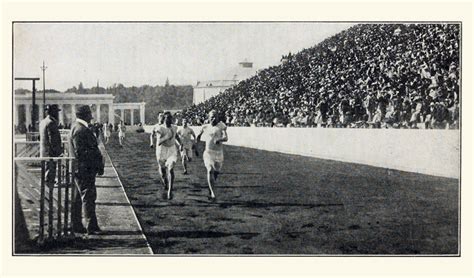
[{"x": 371, "y": 75}]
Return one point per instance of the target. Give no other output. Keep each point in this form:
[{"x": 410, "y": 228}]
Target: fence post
[
  {"x": 66, "y": 197},
  {"x": 60, "y": 186},
  {"x": 73, "y": 187},
  {"x": 51, "y": 208},
  {"x": 42, "y": 199}
]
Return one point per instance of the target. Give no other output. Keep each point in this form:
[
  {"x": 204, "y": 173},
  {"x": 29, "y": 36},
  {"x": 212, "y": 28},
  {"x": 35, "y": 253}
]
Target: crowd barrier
[
  {"x": 47, "y": 209},
  {"x": 432, "y": 152}
]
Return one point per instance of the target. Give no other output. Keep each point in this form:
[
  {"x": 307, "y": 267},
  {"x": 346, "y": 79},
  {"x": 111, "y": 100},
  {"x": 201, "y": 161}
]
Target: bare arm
[
  {"x": 198, "y": 138},
  {"x": 178, "y": 140},
  {"x": 152, "y": 136},
  {"x": 194, "y": 135},
  {"x": 224, "y": 137}
]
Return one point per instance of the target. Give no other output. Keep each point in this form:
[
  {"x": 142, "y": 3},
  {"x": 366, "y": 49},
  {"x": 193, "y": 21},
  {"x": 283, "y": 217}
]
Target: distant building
[
  {"x": 207, "y": 89},
  {"x": 68, "y": 103}
]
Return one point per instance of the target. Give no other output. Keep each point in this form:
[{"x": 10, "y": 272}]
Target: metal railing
[
  {"x": 35, "y": 136},
  {"x": 32, "y": 136},
  {"x": 64, "y": 134},
  {"x": 46, "y": 206}
]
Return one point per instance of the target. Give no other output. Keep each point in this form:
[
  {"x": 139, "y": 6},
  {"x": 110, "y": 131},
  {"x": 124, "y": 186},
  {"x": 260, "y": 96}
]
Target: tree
[
  {"x": 157, "y": 98},
  {"x": 22, "y": 91},
  {"x": 80, "y": 88},
  {"x": 71, "y": 90}
]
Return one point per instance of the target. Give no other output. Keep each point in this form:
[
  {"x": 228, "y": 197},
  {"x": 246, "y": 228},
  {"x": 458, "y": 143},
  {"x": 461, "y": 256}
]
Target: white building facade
[
  {"x": 68, "y": 103},
  {"x": 204, "y": 90}
]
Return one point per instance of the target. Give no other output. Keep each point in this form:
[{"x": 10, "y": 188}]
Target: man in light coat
[{"x": 50, "y": 141}]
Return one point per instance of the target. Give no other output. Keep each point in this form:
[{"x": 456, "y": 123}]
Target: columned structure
[
  {"x": 142, "y": 113},
  {"x": 63, "y": 100},
  {"x": 131, "y": 106}
]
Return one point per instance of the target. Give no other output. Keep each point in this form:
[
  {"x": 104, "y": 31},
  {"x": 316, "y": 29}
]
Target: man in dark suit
[
  {"x": 50, "y": 141},
  {"x": 89, "y": 163}
]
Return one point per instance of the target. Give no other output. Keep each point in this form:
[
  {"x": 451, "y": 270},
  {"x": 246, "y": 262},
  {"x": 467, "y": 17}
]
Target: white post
[
  {"x": 41, "y": 111},
  {"x": 97, "y": 108},
  {"x": 73, "y": 112},
  {"x": 17, "y": 115},
  {"x": 61, "y": 114},
  {"x": 142, "y": 114},
  {"x": 122, "y": 115},
  {"x": 131, "y": 117},
  {"x": 27, "y": 115},
  {"x": 111, "y": 114}
]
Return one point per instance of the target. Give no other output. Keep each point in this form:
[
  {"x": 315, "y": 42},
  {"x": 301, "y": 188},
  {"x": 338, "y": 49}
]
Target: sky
[{"x": 136, "y": 54}]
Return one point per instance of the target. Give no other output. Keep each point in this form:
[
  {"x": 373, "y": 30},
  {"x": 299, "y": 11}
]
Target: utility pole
[{"x": 43, "y": 68}]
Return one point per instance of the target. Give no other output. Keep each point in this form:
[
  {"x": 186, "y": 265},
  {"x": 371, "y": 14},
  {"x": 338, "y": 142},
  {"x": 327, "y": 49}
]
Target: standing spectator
[
  {"x": 344, "y": 112},
  {"x": 83, "y": 146},
  {"x": 321, "y": 114},
  {"x": 415, "y": 116},
  {"x": 439, "y": 117},
  {"x": 406, "y": 113},
  {"x": 454, "y": 115},
  {"x": 370, "y": 106},
  {"x": 50, "y": 141}
]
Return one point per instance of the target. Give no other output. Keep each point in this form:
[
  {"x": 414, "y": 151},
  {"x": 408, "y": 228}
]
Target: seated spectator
[{"x": 378, "y": 74}]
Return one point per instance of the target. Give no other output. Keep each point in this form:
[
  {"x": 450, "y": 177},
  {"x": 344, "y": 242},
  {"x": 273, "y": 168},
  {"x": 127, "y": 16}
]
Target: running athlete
[
  {"x": 106, "y": 131},
  {"x": 121, "y": 133},
  {"x": 157, "y": 127},
  {"x": 185, "y": 133},
  {"x": 166, "y": 153},
  {"x": 215, "y": 133}
]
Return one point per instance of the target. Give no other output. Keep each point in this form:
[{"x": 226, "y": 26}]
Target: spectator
[
  {"x": 50, "y": 142},
  {"x": 350, "y": 79},
  {"x": 83, "y": 146}
]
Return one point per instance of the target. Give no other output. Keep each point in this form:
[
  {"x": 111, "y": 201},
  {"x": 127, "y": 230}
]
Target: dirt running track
[{"x": 272, "y": 203}]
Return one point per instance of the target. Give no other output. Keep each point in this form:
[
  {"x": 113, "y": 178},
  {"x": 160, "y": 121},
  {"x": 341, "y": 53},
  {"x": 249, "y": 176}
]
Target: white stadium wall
[{"x": 433, "y": 152}]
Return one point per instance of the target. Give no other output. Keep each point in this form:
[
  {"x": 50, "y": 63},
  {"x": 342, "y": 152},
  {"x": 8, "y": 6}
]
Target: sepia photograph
[{"x": 236, "y": 138}]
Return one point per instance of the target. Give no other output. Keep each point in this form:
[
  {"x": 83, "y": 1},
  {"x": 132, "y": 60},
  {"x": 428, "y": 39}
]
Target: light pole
[{"x": 43, "y": 68}]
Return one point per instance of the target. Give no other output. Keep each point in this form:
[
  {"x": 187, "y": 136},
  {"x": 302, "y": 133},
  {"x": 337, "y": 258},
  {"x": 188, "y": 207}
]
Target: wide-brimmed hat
[
  {"x": 52, "y": 107},
  {"x": 83, "y": 110}
]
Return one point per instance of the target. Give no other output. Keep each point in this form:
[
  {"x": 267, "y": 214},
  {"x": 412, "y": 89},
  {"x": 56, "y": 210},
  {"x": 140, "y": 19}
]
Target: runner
[
  {"x": 121, "y": 133},
  {"x": 166, "y": 153},
  {"x": 215, "y": 133},
  {"x": 106, "y": 131},
  {"x": 185, "y": 133},
  {"x": 161, "y": 170}
]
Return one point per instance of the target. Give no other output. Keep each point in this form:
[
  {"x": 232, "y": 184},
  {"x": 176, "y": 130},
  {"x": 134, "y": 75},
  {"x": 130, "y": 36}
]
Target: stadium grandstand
[{"x": 368, "y": 76}]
